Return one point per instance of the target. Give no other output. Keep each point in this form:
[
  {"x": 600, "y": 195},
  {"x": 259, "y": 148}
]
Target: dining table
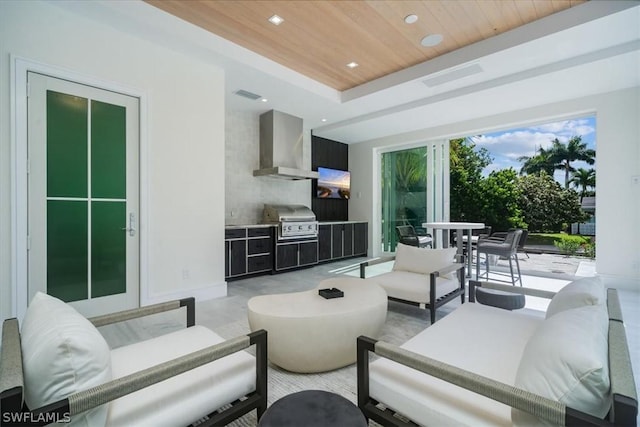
[{"x": 460, "y": 228}]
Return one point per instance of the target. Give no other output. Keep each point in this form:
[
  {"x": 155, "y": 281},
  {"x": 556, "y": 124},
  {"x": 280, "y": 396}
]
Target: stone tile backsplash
[{"x": 245, "y": 195}]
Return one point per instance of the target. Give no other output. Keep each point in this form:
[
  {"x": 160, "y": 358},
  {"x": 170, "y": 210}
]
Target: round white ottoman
[{"x": 308, "y": 333}]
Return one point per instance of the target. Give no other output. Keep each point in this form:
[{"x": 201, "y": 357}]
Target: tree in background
[
  {"x": 466, "y": 165},
  {"x": 538, "y": 163},
  {"x": 559, "y": 156},
  {"x": 583, "y": 179},
  {"x": 563, "y": 154},
  {"x": 501, "y": 197},
  {"x": 546, "y": 206}
]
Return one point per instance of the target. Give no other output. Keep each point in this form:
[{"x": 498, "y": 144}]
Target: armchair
[
  {"x": 427, "y": 278},
  {"x": 58, "y": 368}
]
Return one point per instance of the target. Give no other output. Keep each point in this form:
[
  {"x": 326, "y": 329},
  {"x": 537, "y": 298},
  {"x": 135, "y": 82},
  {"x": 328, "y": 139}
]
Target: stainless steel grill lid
[{"x": 284, "y": 213}]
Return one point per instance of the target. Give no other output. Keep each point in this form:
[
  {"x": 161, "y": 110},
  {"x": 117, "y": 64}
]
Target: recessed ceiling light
[
  {"x": 276, "y": 20},
  {"x": 431, "y": 40},
  {"x": 324, "y": 120},
  {"x": 352, "y": 64},
  {"x": 264, "y": 100},
  {"x": 410, "y": 19}
]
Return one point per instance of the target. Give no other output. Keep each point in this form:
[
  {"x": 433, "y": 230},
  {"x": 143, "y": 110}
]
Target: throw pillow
[
  {"x": 567, "y": 360},
  {"x": 581, "y": 292},
  {"x": 421, "y": 260},
  {"x": 62, "y": 353}
]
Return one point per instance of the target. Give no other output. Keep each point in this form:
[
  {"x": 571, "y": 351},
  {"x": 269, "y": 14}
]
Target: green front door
[{"x": 83, "y": 195}]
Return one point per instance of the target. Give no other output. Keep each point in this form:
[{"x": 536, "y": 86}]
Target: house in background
[
  {"x": 588, "y": 204},
  {"x": 199, "y": 140}
]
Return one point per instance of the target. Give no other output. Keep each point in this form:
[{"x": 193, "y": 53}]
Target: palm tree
[
  {"x": 540, "y": 162},
  {"x": 563, "y": 154},
  {"x": 583, "y": 179}
]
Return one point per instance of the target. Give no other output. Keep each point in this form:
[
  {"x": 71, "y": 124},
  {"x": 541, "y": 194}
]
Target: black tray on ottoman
[{"x": 329, "y": 293}]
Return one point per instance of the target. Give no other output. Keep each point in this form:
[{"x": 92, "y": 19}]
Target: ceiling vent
[
  {"x": 450, "y": 76},
  {"x": 246, "y": 94}
]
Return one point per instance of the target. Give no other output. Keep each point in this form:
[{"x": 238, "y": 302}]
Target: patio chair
[
  {"x": 407, "y": 235},
  {"x": 501, "y": 235},
  {"x": 506, "y": 248},
  {"x": 59, "y": 368},
  {"x": 522, "y": 242}
]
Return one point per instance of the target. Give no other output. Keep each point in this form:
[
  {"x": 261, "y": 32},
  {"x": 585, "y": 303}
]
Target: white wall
[
  {"x": 618, "y": 146},
  {"x": 245, "y": 195},
  {"x": 184, "y": 139}
]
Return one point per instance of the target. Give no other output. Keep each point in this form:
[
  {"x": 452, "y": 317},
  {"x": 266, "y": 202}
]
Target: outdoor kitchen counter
[
  {"x": 250, "y": 225},
  {"x": 339, "y": 222}
]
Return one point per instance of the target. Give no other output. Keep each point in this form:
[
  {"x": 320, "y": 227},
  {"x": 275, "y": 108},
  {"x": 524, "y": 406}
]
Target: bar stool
[{"x": 507, "y": 248}]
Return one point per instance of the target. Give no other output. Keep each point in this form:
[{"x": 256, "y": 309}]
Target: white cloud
[
  {"x": 567, "y": 128},
  {"x": 515, "y": 144}
]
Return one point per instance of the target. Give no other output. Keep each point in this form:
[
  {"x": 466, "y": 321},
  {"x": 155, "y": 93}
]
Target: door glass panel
[
  {"x": 108, "y": 248},
  {"x": 108, "y": 150},
  {"x": 404, "y": 193},
  {"x": 66, "y": 145},
  {"x": 67, "y": 249}
]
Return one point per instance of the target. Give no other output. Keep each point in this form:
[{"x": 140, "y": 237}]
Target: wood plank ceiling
[{"x": 319, "y": 38}]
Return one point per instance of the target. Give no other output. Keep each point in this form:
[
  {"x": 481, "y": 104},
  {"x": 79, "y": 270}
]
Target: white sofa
[
  {"x": 421, "y": 276},
  {"x": 485, "y": 366}
]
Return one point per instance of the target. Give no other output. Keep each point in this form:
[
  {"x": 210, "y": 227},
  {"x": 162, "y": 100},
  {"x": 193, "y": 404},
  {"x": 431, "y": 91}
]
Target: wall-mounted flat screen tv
[{"x": 333, "y": 184}]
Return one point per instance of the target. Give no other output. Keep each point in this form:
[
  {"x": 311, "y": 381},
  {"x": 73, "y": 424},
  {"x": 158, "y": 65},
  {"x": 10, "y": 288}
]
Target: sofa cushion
[
  {"x": 566, "y": 360},
  {"x": 413, "y": 287},
  {"x": 420, "y": 260},
  {"x": 581, "y": 292},
  {"x": 62, "y": 353},
  {"x": 485, "y": 340},
  {"x": 185, "y": 398}
]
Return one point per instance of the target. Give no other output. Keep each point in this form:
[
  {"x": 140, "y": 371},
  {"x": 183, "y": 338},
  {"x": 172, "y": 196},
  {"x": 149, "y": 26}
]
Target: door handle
[{"x": 131, "y": 229}]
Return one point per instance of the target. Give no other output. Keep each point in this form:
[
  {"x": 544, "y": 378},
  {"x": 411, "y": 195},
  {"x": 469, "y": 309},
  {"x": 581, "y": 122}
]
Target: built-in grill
[{"x": 293, "y": 221}]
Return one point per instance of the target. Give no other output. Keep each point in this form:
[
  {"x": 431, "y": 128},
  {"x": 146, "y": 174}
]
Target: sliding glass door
[{"x": 414, "y": 189}]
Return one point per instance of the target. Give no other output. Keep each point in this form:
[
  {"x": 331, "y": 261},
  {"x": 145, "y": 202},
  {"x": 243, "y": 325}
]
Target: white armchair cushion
[
  {"x": 581, "y": 292},
  {"x": 420, "y": 260},
  {"x": 182, "y": 399},
  {"x": 567, "y": 360},
  {"x": 413, "y": 287},
  {"x": 62, "y": 353}
]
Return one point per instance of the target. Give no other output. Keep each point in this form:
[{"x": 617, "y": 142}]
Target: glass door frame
[{"x": 438, "y": 201}]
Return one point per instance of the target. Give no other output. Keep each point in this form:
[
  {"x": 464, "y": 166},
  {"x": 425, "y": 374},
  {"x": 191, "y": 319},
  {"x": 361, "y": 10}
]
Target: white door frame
[{"x": 19, "y": 169}]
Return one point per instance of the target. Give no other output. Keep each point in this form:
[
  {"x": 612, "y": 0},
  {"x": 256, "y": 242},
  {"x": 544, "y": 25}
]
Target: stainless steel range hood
[{"x": 281, "y": 147}]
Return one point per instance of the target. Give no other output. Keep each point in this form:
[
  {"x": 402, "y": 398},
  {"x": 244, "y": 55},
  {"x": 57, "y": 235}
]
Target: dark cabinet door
[
  {"x": 324, "y": 243},
  {"x": 360, "y": 238},
  {"x": 238, "y": 253},
  {"x": 260, "y": 263},
  {"x": 286, "y": 256},
  {"x": 259, "y": 246},
  {"x": 336, "y": 245},
  {"x": 347, "y": 240},
  {"x": 308, "y": 253},
  {"x": 226, "y": 258}
]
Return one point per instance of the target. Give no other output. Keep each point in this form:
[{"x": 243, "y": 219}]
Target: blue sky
[{"x": 507, "y": 146}]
